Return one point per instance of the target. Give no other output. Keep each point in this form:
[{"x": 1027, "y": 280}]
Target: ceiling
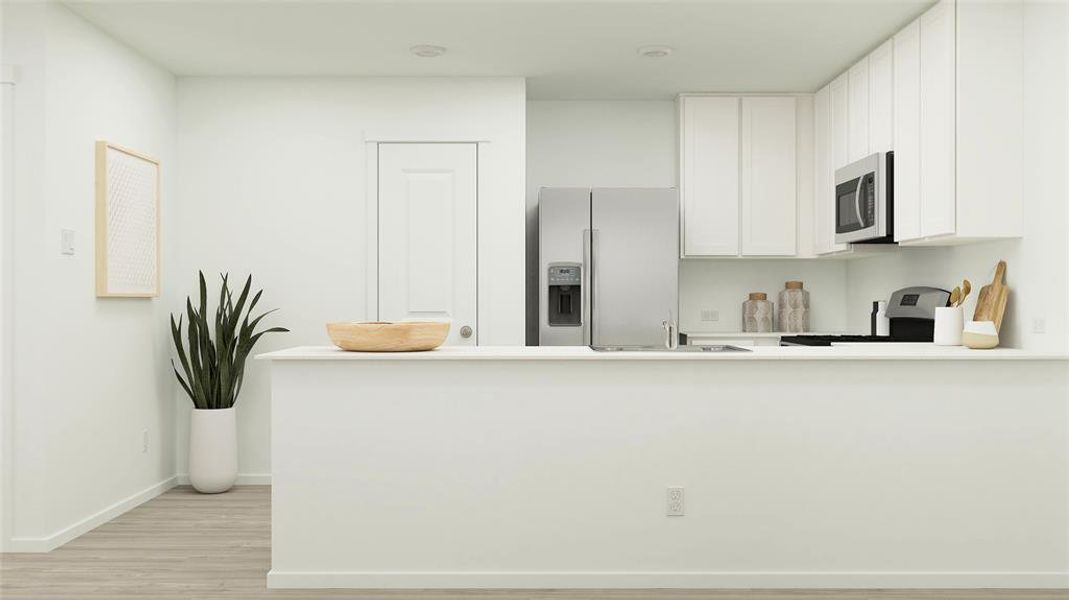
[{"x": 565, "y": 49}]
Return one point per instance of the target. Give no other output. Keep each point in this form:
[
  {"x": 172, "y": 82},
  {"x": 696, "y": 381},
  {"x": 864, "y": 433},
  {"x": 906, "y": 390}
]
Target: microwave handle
[{"x": 857, "y": 202}]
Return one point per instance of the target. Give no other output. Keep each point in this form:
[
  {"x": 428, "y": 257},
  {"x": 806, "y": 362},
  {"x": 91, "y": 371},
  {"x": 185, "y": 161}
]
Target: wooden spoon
[
  {"x": 955, "y": 296},
  {"x": 966, "y": 287}
]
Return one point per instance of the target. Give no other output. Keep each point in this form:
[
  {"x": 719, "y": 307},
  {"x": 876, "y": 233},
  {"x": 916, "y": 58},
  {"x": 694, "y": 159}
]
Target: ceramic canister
[
  {"x": 757, "y": 313},
  {"x": 794, "y": 308}
]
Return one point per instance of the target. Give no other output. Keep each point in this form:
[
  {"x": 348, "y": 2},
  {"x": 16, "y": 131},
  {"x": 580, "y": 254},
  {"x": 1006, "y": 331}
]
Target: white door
[
  {"x": 769, "y": 168},
  {"x": 907, "y": 128},
  {"x": 427, "y": 235},
  {"x": 710, "y": 175},
  {"x": 937, "y": 121}
]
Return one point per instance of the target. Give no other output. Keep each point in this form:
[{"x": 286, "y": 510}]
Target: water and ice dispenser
[{"x": 565, "y": 304}]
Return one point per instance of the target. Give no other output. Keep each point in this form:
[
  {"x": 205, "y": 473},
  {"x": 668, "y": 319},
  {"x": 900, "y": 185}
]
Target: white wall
[
  {"x": 634, "y": 143},
  {"x": 89, "y": 375},
  {"x": 1039, "y": 262},
  {"x": 272, "y": 182}
]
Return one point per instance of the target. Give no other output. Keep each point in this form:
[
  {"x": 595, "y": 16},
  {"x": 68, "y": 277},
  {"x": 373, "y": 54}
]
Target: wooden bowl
[{"x": 387, "y": 336}]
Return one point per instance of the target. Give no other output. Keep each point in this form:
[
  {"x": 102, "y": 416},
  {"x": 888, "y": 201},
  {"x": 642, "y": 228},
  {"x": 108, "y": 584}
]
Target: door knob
[{"x": 465, "y": 331}]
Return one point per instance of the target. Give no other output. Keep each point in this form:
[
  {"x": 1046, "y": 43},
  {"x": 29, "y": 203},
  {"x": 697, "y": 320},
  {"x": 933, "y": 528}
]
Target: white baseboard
[
  {"x": 663, "y": 580},
  {"x": 243, "y": 479},
  {"x": 57, "y": 539}
]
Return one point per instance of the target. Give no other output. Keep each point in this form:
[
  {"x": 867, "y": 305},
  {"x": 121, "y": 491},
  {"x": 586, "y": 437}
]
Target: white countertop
[{"x": 861, "y": 351}]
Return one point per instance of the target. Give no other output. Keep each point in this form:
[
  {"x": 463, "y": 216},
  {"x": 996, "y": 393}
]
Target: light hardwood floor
[{"x": 187, "y": 546}]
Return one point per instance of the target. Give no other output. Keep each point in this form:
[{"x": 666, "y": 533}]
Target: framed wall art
[{"x": 127, "y": 223}]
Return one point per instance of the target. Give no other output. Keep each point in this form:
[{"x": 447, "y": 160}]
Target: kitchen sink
[{"x": 720, "y": 348}]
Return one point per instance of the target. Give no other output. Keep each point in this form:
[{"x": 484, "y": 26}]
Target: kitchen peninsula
[{"x": 551, "y": 467}]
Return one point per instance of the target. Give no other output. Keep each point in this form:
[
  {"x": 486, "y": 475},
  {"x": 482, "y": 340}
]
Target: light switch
[{"x": 66, "y": 241}]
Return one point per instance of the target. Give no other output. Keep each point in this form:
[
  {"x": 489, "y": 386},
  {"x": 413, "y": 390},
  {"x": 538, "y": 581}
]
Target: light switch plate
[{"x": 66, "y": 242}]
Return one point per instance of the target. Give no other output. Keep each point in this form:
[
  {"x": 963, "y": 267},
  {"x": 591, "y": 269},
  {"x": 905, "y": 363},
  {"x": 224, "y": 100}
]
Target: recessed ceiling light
[
  {"x": 427, "y": 50},
  {"x": 655, "y": 51}
]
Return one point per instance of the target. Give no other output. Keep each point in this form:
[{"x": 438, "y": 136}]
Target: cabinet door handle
[{"x": 465, "y": 331}]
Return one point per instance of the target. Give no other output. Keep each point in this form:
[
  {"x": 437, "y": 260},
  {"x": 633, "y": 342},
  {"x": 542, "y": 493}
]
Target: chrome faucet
[{"x": 671, "y": 336}]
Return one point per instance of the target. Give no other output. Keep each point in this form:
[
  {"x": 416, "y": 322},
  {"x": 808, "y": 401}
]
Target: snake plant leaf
[{"x": 213, "y": 369}]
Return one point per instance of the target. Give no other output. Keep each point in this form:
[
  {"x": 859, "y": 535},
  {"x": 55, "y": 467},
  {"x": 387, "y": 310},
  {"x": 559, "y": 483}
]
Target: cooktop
[{"x": 827, "y": 340}]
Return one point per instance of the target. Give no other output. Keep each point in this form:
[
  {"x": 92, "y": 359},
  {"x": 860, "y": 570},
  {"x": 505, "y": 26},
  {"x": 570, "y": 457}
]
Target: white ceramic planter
[
  {"x": 949, "y": 321},
  {"x": 213, "y": 450}
]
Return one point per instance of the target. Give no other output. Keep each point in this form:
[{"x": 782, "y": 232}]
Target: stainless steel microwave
[{"x": 864, "y": 200}]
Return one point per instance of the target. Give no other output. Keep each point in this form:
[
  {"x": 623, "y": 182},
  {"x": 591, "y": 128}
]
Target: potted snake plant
[{"x": 212, "y": 357}]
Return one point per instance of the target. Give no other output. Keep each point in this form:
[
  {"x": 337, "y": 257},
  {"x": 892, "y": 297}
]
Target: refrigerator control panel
[{"x": 570, "y": 274}]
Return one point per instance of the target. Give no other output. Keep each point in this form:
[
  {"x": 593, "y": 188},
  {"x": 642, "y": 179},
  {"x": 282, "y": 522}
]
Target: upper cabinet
[
  {"x": 881, "y": 98},
  {"x": 737, "y": 179},
  {"x": 823, "y": 176},
  {"x": 858, "y": 110},
  {"x": 907, "y": 132},
  {"x": 769, "y": 200},
  {"x": 945, "y": 95},
  {"x": 957, "y": 135},
  {"x": 709, "y": 175}
]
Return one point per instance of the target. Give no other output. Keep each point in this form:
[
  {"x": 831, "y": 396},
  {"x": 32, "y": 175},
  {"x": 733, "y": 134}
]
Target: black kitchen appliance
[{"x": 911, "y": 312}]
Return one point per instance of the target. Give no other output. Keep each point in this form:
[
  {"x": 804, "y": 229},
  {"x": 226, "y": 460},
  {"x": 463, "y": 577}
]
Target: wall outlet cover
[
  {"x": 675, "y": 505},
  {"x": 709, "y": 314}
]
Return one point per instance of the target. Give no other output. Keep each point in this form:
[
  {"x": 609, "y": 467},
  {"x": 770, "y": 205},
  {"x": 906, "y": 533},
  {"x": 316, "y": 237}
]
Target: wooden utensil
[
  {"x": 966, "y": 287},
  {"x": 990, "y": 301},
  {"x": 955, "y": 296}
]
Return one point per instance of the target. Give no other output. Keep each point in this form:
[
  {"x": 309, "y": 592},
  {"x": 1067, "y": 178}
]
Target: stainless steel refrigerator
[{"x": 609, "y": 267}]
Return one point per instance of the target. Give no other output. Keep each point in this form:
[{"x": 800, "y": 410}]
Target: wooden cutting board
[{"x": 991, "y": 302}]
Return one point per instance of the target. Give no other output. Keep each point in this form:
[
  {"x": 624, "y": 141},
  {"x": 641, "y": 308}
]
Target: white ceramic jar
[
  {"x": 213, "y": 450},
  {"x": 949, "y": 322}
]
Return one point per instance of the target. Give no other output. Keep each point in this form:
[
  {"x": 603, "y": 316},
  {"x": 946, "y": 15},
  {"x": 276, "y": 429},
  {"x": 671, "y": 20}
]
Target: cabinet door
[
  {"x": 427, "y": 235},
  {"x": 938, "y": 207},
  {"x": 823, "y": 176},
  {"x": 907, "y": 130},
  {"x": 881, "y": 98},
  {"x": 769, "y": 176},
  {"x": 858, "y": 84},
  {"x": 709, "y": 177},
  {"x": 840, "y": 123}
]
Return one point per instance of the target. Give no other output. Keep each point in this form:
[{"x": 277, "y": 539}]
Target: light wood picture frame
[{"x": 127, "y": 223}]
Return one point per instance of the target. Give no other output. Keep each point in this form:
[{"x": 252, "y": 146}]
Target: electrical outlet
[
  {"x": 144, "y": 441},
  {"x": 66, "y": 242},
  {"x": 674, "y": 506},
  {"x": 709, "y": 314},
  {"x": 1039, "y": 325}
]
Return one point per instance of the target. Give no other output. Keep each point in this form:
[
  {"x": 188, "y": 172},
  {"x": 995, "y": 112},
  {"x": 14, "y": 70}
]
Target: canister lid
[
  {"x": 794, "y": 285},
  {"x": 758, "y": 296}
]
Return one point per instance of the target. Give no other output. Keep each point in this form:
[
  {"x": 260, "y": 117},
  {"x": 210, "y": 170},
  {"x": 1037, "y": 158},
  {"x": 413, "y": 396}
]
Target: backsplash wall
[{"x": 722, "y": 285}]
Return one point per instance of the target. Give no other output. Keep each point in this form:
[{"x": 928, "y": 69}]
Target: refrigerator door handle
[
  {"x": 586, "y": 295},
  {"x": 594, "y": 284}
]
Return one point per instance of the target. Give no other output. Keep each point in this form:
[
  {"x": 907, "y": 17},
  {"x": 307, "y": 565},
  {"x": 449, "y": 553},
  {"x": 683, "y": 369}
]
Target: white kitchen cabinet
[
  {"x": 957, "y": 111},
  {"x": 907, "y": 129},
  {"x": 881, "y": 98},
  {"x": 858, "y": 110},
  {"x": 840, "y": 122},
  {"x": 823, "y": 176},
  {"x": 709, "y": 175},
  {"x": 937, "y": 120},
  {"x": 738, "y": 175},
  {"x": 769, "y": 195}
]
